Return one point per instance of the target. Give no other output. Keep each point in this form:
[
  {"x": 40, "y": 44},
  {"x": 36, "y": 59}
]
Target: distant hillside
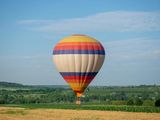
[
  {"x": 17, "y": 85},
  {"x": 8, "y": 84}
]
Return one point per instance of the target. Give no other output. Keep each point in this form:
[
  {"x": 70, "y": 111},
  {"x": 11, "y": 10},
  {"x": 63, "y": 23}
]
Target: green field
[
  {"x": 112, "y": 98},
  {"x": 88, "y": 107}
]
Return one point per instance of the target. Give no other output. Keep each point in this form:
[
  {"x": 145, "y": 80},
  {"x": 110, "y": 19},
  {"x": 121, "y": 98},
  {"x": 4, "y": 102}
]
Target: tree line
[{"x": 130, "y": 95}]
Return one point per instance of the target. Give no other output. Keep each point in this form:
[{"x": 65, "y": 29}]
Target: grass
[
  {"x": 14, "y": 112},
  {"x": 148, "y": 109}
]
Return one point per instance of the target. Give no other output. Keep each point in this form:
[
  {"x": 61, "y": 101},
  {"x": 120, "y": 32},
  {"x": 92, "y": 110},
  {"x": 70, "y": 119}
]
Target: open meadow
[{"x": 16, "y": 113}]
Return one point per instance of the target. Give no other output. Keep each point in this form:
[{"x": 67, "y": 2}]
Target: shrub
[
  {"x": 148, "y": 103},
  {"x": 138, "y": 102},
  {"x": 157, "y": 103},
  {"x": 130, "y": 102},
  {"x": 2, "y": 101}
]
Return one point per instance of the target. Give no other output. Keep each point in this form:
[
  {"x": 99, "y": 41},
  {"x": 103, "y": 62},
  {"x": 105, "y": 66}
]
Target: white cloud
[{"x": 119, "y": 21}]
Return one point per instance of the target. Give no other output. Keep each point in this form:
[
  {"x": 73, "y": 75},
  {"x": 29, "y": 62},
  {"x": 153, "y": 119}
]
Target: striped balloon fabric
[{"x": 78, "y": 58}]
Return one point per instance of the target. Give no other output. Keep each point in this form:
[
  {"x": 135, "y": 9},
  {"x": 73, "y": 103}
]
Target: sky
[{"x": 128, "y": 29}]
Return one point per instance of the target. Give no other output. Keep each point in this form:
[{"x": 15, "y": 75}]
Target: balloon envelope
[{"x": 78, "y": 58}]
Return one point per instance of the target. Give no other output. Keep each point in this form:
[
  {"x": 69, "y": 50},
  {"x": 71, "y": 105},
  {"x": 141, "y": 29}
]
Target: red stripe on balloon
[
  {"x": 81, "y": 81},
  {"x": 79, "y": 47},
  {"x": 79, "y": 77}
]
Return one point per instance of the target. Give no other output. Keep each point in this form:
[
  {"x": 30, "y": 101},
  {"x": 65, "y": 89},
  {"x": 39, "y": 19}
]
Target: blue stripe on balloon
[
  {"x": 100, "y": 52},
  {"x": 78, "y": 73}
]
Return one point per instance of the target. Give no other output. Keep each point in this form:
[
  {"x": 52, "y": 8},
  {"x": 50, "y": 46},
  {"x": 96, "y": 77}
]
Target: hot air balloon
[{"x": 78, "y": 58}]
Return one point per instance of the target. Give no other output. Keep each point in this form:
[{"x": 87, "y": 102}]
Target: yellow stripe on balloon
[
  {"x": 78, "y": 87},
  {"x": 78, "y": 39}
]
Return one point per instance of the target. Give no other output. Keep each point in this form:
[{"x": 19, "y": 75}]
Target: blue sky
[{"x": 128, "y": 29}]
